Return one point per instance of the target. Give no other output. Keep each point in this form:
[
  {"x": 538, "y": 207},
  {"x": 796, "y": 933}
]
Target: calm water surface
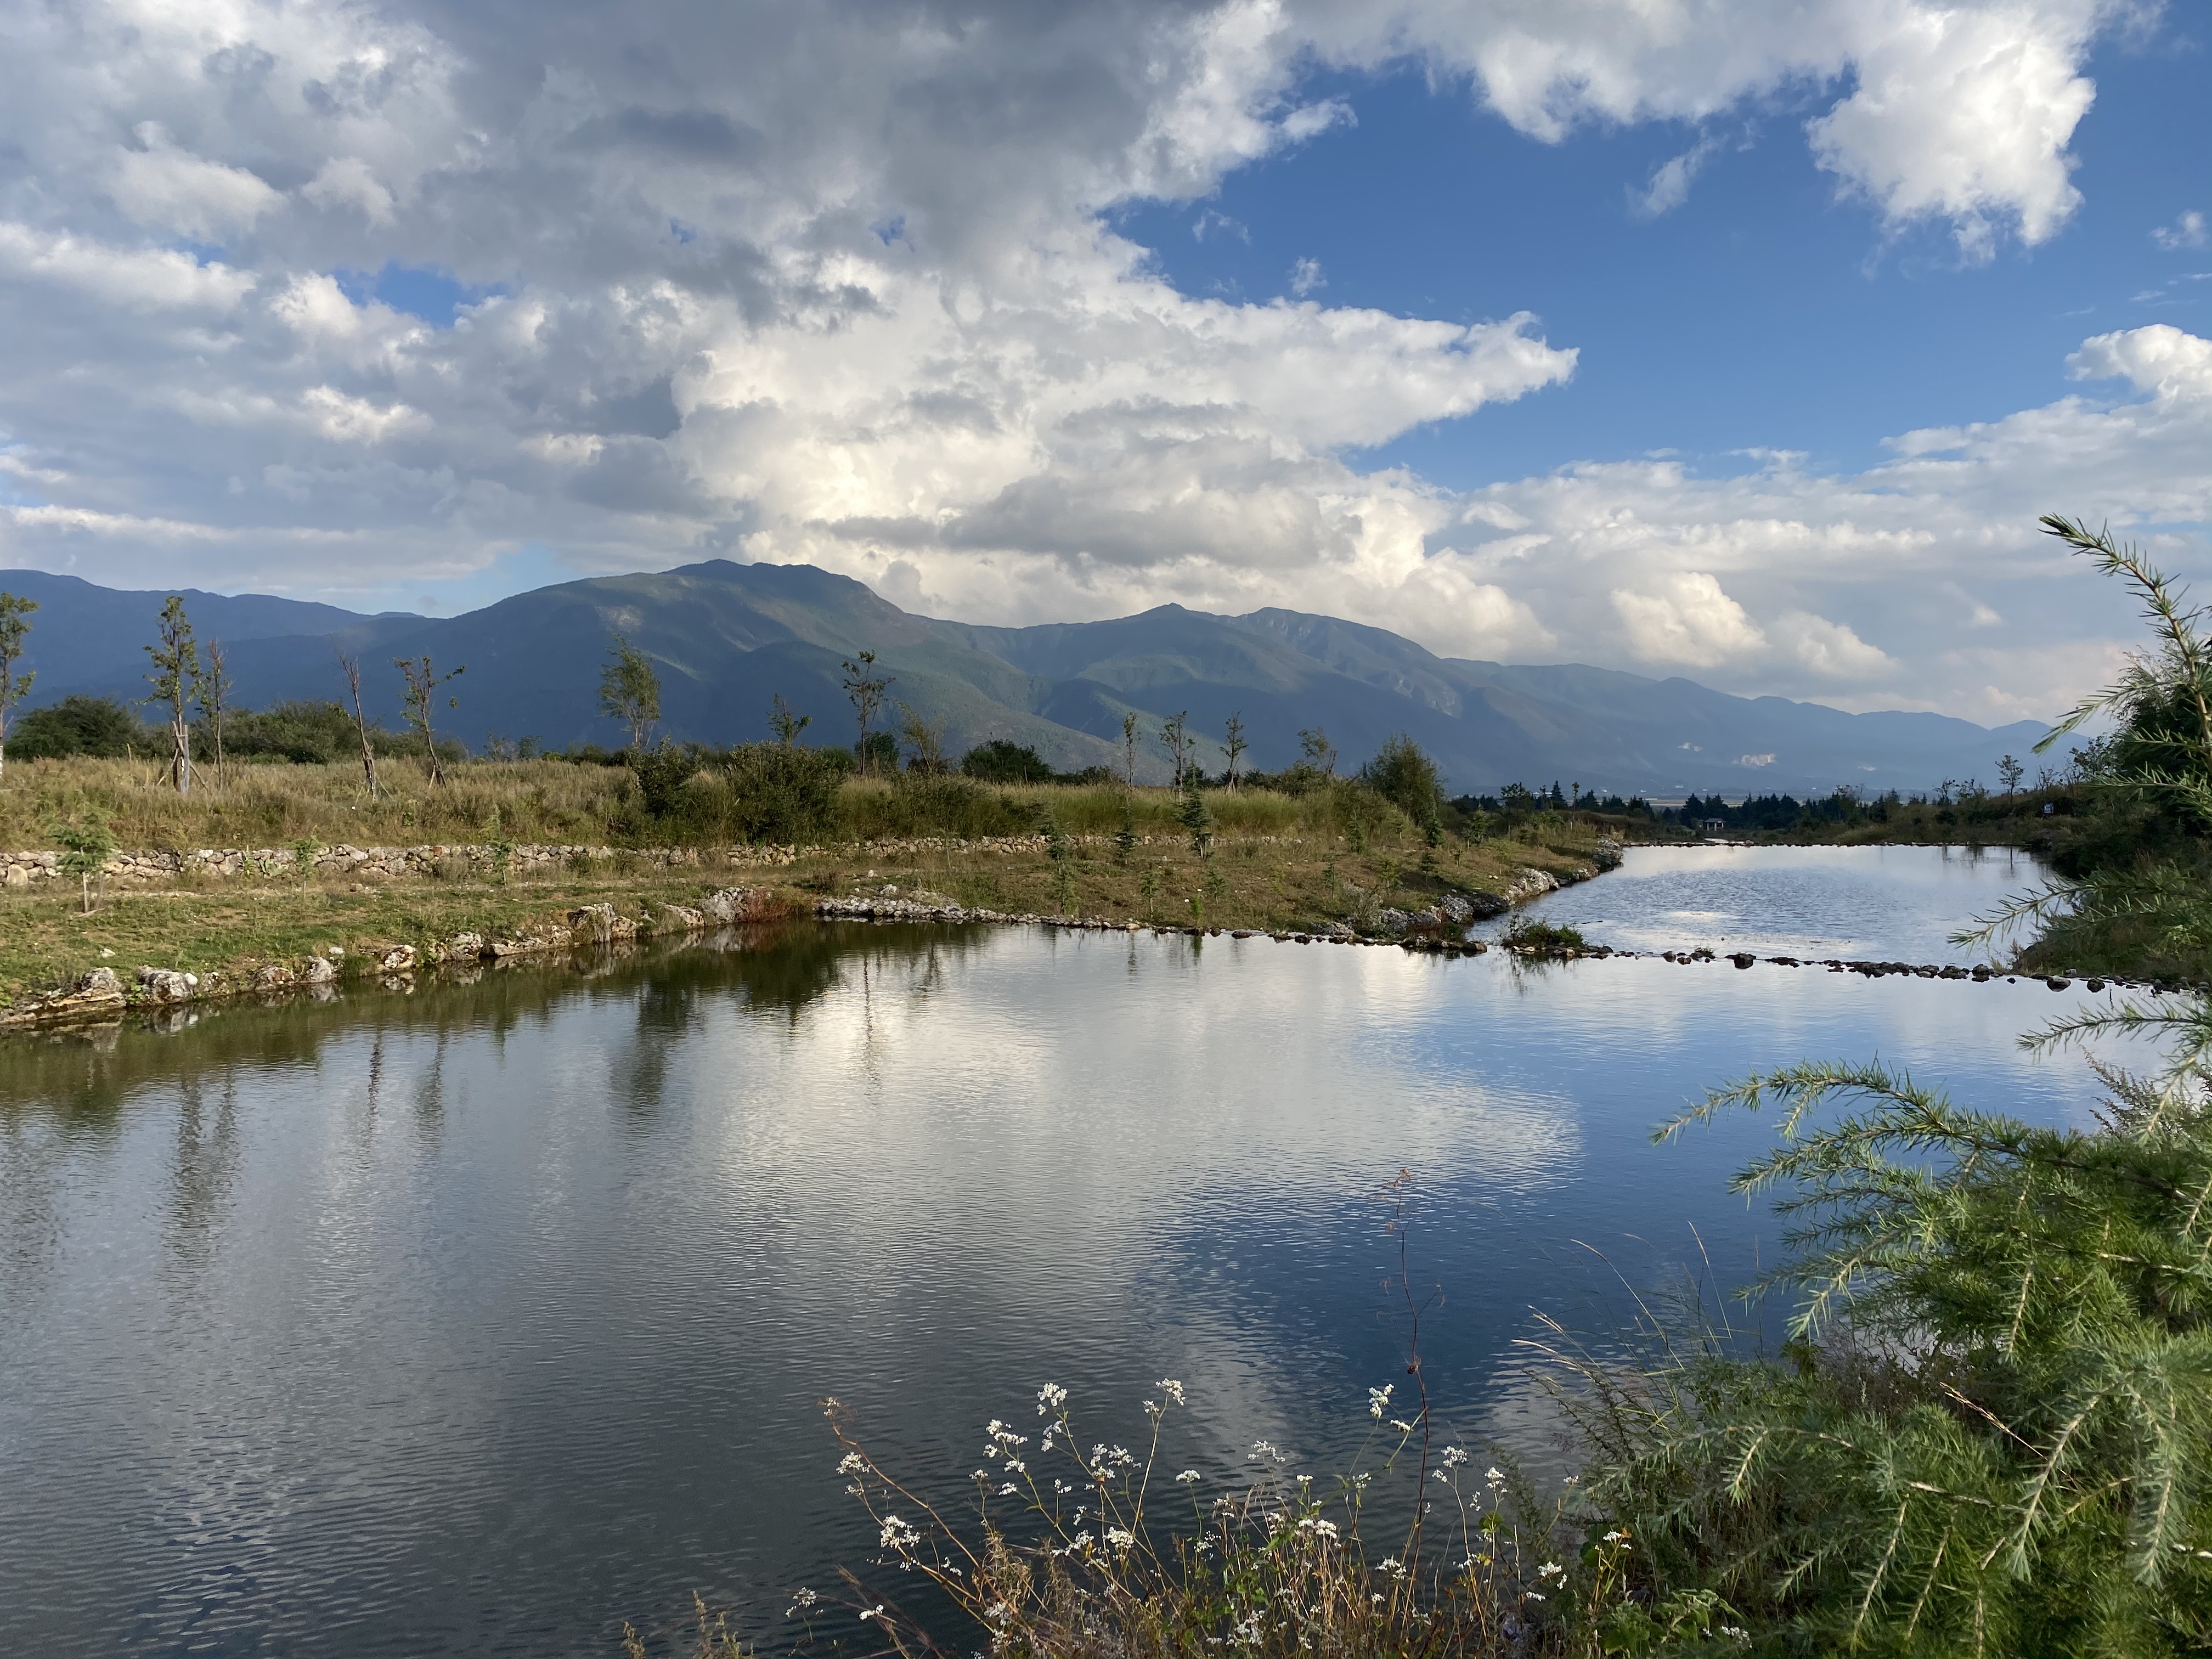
[
  {"x": 477, "y": 1320},
  {"x": 1885, "y": 903}
]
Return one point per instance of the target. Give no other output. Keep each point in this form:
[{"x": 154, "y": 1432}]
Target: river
[{"x": 479, "y": 1319}]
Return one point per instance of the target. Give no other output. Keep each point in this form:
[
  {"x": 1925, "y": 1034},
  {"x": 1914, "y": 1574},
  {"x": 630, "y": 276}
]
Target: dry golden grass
[{"x": 1276, "y": 862}]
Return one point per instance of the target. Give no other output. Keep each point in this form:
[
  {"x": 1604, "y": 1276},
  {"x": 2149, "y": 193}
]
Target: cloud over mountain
[{"x": 841, "y": 283}]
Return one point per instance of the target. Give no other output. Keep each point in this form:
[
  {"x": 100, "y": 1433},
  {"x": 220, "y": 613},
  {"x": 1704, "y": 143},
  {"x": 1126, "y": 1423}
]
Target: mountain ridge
[{"x": 728, "y": 638}]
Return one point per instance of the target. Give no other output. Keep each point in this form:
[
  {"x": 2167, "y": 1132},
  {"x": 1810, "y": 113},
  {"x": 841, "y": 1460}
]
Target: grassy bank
[
  {"x": 1274, "y": 861},
  {"x": 549, "y": 801}
]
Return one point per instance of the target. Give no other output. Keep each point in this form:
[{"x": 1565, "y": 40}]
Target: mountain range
[{"x": 727, "y": 638}]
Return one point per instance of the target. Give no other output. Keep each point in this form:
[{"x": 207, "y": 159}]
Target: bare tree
[
  {"x": 1174, "y": 737},
  {"x": 212, "y": 694},
  {"x": 175, "y": 680},
  {"x": 1129, "y": 748},
  {"x": 422, "y": 683},
  {"x": 1235, "y": 744},
  {"x": 14, "y": 686},
  {"x": 351, "y": 665},
  {"x": 866, "y": 690}
]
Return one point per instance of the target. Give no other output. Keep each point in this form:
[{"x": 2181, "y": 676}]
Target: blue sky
[
  {"x": 1768, "y": 311},
  {"x": 1032, "y": 310}
]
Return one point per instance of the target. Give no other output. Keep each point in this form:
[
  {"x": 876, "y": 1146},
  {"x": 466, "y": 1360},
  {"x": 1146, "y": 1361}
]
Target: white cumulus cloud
[{"x": 842, "y": 283}]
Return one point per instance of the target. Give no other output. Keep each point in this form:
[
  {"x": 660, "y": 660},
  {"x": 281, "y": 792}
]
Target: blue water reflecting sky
[{"x": 479, "y": 1320}]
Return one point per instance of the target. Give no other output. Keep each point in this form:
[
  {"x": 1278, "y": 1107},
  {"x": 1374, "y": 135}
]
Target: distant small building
[{"x": 1714, "y": 825}]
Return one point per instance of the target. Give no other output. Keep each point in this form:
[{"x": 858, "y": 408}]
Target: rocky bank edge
[{"x": 103, "y": 993}]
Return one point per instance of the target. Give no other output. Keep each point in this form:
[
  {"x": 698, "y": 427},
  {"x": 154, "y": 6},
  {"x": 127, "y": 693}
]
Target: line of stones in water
[{"x": 893, "y": 910}]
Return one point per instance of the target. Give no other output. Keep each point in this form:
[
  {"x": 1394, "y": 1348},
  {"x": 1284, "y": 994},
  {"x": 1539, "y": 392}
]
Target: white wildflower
[
  {"x": 1736, "y": 1633},
  {"x": 1453, "y": 1456},
  {"x": 1008, "y": 1490},
  {"x": 851, "y": 1463},
  {"x": 1187, "y": 1477},
  {"x": 1120, "y": 1538},
  {"x": 1050, "y": 1399},
  {"x": 1533, "y": 1595},
  {"x": 1495, "y": 1475},
  {"x": 897, "y": 1534},
  {"x": 1551, "y": 1570},
  {"x": 1401, "y": 1425},
  {"x": 1173, "y": 1390},
  {"x": 1377, "y": 1399},
  {"x": 1318, "y": 1527}
]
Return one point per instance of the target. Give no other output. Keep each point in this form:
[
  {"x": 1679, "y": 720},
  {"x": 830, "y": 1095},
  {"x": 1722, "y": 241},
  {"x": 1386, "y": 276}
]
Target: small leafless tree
[
  {"x": 422, "y": 683},
  {"x": 865, "y": 688},
  {"x": 1129, "y": 749},
  {"x": 351, "y": 667},
  {"x": 213, "y": 695},
  {"x": 1235, "y": 744}
]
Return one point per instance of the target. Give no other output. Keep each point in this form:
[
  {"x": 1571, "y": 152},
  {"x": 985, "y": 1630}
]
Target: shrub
[
  {"x": 1002, "y": 761},
  {"x": 782, "y": 797},
  {"x": 1406, "y": 777},
  {"x": 97, "y": 726},
  {"x": 1990, "y": 1434}
]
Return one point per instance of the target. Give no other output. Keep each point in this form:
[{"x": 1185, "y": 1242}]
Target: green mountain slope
[{"x": 729, "y": 638}]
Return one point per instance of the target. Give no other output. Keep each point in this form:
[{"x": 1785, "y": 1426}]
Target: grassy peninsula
[{"x": 675, "y": 824}]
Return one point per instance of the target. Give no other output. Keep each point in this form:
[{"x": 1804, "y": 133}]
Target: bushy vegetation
[
  {"x": 1527, "y": 933},
  {"x": 1406, "y": 777},
  {"x": 1989, "y": 1431},
  {"x": 1003, "y": 760},
  {"x": 99, "y": 727},
  {"x": 2133, "y": 892}
]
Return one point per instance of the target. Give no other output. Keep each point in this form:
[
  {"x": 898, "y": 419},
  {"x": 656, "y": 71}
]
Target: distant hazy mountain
[{"x": 728, "y": 638}]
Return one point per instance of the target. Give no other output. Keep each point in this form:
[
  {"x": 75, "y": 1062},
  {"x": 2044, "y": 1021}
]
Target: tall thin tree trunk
[{"x": 351, "y": 665}]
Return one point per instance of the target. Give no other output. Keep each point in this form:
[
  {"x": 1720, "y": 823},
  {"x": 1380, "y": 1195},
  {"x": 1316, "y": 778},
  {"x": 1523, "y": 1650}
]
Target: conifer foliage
[{"x": 1990, "y": 1432}]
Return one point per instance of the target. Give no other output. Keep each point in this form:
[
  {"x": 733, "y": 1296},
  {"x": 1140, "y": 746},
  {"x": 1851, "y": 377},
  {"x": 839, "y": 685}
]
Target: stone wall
[
  {"x": 159, "y": 868},
  {"x": 364, "y": 863}
]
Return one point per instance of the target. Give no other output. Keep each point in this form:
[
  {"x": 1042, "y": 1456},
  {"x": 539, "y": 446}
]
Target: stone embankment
[
  {"x": 162, "y": 867},
  {"x": 167, "y": 868},
  {"x": 105, "y": 994}
]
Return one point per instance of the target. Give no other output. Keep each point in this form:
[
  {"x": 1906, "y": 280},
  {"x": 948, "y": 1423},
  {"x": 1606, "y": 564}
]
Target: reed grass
[{"x": 553, "y": 801}]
